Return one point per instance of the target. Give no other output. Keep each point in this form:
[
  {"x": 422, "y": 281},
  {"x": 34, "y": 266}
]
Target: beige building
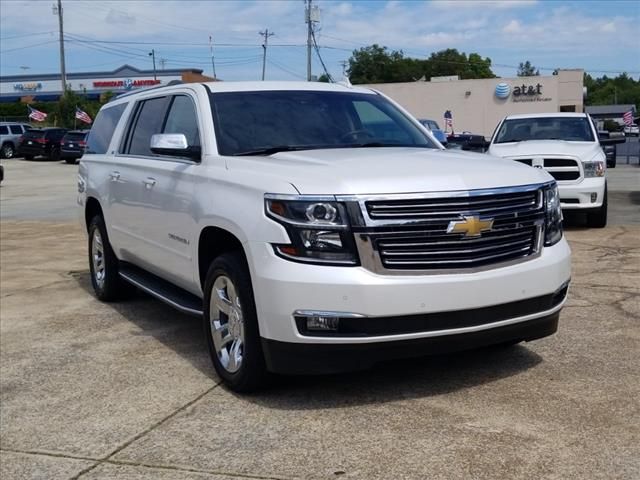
[{"x": 478, "y": 105}]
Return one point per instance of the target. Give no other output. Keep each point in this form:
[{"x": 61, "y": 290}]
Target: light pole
[{"x": 152, "y": 54}]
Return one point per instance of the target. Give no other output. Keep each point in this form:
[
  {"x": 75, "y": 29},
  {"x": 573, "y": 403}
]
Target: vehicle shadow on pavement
[
  {"x": 399, "y": 379},
  {"x": 182, "y": 333},
  {"x": 385, "y": 382}
]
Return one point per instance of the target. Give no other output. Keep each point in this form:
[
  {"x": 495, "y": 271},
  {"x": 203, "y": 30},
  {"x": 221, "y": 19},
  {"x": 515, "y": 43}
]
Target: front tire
[
  {"x": 28, "y": 157},
  {"x": 598, "y": 217},
  {"x": 231, "y": 324},
  {"x": 103, "y": 263},
  {"x": 70, "y": 161}
]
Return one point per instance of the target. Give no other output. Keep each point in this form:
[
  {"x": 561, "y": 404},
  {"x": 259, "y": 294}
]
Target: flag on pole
[
  {"x": 36, "y": 115},
  {"x": 628, "y": 118},
  {"x": 83, "y": 116}
]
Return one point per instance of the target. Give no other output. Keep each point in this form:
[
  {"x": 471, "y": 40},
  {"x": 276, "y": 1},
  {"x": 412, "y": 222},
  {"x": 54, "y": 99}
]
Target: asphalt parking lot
[{"x": 94, "y": 391}]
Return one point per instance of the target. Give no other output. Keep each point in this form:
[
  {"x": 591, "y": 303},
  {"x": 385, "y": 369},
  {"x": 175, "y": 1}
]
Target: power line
[
  {"x": 26, "y": 35},
  {"x": 28, "y": 46}
]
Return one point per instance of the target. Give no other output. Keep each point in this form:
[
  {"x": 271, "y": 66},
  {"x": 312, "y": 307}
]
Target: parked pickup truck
[
  {"x": 309, "y": 243},
  {"x": 567, "y": 146}
]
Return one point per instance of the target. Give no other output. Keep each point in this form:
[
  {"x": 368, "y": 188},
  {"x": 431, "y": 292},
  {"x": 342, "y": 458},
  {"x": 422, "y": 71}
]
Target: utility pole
[
  {"x": 63, "y": 71},
  {"x": 152, "y": 54},
  {"x": 213, "y": 65},
  {"x": 266, "y": 34},
  {"x": 309, "y": 35}
]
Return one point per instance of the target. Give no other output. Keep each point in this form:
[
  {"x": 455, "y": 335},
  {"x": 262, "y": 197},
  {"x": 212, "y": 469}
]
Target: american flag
[
  {"x": 628, "y": 118},
  {"x": 36, "y": 115},
  {"x": 83, "y": 116}
]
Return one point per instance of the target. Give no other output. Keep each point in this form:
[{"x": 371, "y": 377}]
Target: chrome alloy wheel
[
  {"x": 227, "y": 324},
  {"x": 97, "y": 257}
]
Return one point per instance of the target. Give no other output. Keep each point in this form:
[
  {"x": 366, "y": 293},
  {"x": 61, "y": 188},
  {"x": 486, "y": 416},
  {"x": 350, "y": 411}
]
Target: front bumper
[
  {"x": 577, "y": 196},
  {"x": 297, "y": 358},
  {"x": 282, "y": 288}
]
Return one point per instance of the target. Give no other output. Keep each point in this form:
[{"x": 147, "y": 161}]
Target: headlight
[
  {"x": 553, "y": 216},
  {"x": 318, "y": 229},
  {"x": 594, "y": 169}
]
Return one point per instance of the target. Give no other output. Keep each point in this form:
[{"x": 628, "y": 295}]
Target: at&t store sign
[{"x": 521, "y": 93}]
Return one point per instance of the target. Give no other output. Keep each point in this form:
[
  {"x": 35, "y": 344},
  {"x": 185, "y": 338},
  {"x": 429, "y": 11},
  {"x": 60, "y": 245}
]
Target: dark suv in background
[
  {"x": 41, "y": 142},
  {"x": 72, "y": 145}
]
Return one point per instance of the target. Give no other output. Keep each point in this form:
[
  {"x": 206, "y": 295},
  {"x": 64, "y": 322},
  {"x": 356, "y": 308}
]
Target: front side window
[
  {"x": 103, "y": 127},
  {"x": 182, "y": 119},
  {"x": 264, "y": 122},
  {"x": 570, "y": 129},
  {"x": 149, "y": 121}
]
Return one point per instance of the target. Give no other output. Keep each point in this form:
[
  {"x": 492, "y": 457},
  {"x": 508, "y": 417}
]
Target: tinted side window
[
  {"x": 103, "y": 128},
  {"x": 15, "y": 129},
  {"x": 182, "y": 119},
  {"x": 4, "y": 130},
  {"x": 151, "y": 115}
]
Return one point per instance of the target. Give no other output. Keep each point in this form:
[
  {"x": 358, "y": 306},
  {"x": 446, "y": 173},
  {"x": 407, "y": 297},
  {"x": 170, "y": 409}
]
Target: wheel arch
[
  {"x": 212, "y": 242},
  {"x": 91, "y": 209}
]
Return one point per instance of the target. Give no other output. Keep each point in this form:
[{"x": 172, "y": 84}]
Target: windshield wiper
[
  {"x": 380, "y": 144},
  {"x": 279, "y": 148}
]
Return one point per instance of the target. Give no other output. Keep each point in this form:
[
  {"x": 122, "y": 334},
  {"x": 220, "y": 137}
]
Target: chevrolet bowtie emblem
[{"x": 470, "y": 226}]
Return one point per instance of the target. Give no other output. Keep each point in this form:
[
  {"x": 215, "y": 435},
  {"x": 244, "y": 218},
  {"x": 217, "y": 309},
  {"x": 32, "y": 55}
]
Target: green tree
[
  {"x": 375, "y": 64},
  {"x": 324, "y": 78},
  {"x": 527, "y": 70},
  {"x": 622, "y": 89}
]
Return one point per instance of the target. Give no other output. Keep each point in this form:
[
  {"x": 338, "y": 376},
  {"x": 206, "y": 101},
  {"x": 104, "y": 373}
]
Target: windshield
[
  {"x": 571, "y": 129},
  {"x": 265, "y": 122},
  {"x": 430, "y": 124}
]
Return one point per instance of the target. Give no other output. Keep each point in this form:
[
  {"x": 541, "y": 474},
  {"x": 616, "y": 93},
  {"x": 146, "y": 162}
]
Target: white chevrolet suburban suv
[
  {"x": 567, "y": 146},
  {"x": 316, "y": 228}
]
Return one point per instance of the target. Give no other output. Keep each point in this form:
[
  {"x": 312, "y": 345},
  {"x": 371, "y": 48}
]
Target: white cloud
[
  {"x": 514, "y": 26},
  {"x": 608, "y": 27}
]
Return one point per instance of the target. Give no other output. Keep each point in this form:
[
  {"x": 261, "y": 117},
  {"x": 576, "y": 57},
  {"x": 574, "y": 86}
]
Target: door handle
[
  {"x": 149, "y": 182},
  {"x": 115, "y": 176}
]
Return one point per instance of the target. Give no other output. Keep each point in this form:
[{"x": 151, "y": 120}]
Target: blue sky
[{"x": 598, "y": 36}]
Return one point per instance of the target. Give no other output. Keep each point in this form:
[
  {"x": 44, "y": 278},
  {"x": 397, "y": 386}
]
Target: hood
[
  {"x": 387, "y": 170},
  {"x": 583, "y": 150}
]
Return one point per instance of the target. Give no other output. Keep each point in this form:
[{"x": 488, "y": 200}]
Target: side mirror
[
  {"x": 174, "y": 145},
  {"x": 476, "y": 143},
  {"x": 612, "y": 141}
]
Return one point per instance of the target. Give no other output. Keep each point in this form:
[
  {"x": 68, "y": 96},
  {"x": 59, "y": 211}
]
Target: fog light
[
  {"x": 594, "y": 197},
  {"x": 325, "y": 324}
]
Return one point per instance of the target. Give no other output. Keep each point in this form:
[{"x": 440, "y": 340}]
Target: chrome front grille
[
  {"x": 562, "y": 169},
  {"x": 408, "y": 234},
  {"x": 416, "y": 252},
  {"x": 444, "y": 208}
]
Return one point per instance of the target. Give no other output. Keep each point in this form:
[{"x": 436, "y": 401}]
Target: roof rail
[{"x": 126, "y": 94}]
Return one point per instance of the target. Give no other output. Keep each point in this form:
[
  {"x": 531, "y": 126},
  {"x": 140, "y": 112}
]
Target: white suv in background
[
  {"x": 567, "y": 146},
  {"x": 316, "y": 228}
]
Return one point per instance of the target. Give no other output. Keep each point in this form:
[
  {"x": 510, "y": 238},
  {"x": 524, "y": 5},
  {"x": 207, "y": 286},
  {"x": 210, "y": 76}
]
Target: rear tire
[
  {"x": 54, "y": 154},
  {"x": 103, "y": 263},
  {"x": 7, "y": 151},
  {"x": 598, "y": 217},
  {"x": 231, "y": 325},
  {"x": 70, "y": 161}
]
